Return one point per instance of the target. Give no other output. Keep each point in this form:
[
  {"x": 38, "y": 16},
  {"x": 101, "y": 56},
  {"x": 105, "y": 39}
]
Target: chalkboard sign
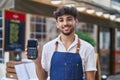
[{"x": 14, "y": 36}]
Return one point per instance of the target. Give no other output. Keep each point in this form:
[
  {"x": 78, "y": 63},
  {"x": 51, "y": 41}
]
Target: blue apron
[{"x": 66, "y": 65}]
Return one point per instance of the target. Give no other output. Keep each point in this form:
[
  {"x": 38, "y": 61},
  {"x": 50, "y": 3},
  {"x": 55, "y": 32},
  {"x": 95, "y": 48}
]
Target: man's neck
[{"x": 67, "y": 40}]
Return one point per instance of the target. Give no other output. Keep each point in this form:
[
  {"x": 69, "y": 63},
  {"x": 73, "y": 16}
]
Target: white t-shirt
[{"x": 86, "y": 52}]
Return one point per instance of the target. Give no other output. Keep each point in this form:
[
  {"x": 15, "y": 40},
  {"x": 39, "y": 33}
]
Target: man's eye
[
  {"x": 69, "y": 19},
  {"x": 60, "y": 20}
]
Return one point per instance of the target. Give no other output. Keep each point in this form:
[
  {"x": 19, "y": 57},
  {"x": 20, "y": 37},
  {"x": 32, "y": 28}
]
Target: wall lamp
[
  {"x": 81, "y": 9},
  {"x": 56, "y": 2}
]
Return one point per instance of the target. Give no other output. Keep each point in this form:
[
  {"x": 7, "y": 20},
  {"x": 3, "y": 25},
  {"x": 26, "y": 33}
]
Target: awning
[{"x": 38, "y": 8}]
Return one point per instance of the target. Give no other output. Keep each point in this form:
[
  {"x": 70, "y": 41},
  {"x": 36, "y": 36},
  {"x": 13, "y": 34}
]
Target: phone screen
[{"x": 32, "y": 52}]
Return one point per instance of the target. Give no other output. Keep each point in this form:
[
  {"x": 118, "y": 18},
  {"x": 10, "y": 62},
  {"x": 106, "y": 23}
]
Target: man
[{"x": 67, "y": 57}]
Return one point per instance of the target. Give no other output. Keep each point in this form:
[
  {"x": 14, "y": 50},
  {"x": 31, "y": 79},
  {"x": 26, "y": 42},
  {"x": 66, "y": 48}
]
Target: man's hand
[{"x": 38, "y": 59}]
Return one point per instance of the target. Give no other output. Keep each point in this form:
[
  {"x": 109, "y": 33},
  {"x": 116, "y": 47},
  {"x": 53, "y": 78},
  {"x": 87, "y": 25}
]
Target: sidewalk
[{"x": 114, "y": 77}]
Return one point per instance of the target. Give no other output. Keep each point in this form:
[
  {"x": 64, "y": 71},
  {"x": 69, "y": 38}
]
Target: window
[
  {"x": 105, "y": 49},
  {"x": 86, "y": 28},
  {"x": 0, "y": 23},
  {"x": 42, "y": 28},
  {"x": 118, "y": 40},
  {"x": 116, "y": 1},
  {"x": 104, "y": 38},
  {"x": 0, "y": 43},
  {"x": 1, "y": 33},
  {"x": 38, "y": 27},
  {"x": 115, "y": 4},
  {"x": 1, "y": 37}
]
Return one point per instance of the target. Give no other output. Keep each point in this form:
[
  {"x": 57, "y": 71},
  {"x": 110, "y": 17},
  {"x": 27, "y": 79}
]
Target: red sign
[
  {"x": 14, "y": 15},
  {"x": 14, "y": 30}
]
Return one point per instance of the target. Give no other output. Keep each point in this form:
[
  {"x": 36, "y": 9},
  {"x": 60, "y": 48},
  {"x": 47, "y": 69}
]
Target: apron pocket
[{"x": 72, "y": 71}]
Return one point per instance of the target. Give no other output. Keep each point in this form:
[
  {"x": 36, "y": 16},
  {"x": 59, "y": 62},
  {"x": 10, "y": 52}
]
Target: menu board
[{"x": 14, "y": 36}]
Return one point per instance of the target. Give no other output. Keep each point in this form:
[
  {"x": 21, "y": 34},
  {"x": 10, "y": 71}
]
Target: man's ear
[
  {"x": 76, "y": 20},
  {"x": 56, "y": 23}
]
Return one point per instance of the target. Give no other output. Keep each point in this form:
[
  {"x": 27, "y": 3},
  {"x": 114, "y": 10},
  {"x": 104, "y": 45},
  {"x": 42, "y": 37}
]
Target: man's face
[{"x": 66, "y": 24}]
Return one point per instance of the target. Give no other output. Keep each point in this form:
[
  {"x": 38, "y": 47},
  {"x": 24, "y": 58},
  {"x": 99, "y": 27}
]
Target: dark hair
[{"x": 65, "y": 10}]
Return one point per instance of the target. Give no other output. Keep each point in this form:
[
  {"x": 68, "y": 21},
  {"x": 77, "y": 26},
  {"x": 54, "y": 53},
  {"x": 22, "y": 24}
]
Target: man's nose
[{"x": 65, "y": 22}]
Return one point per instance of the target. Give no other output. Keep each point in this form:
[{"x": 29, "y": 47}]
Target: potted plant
[{"x": 85, "y": 36}]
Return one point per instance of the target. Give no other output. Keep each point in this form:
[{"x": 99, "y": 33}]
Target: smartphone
[{"x": 32, "y": 51}]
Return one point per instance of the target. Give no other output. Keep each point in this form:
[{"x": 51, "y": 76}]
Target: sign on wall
[{"x": 14, "y": 33}]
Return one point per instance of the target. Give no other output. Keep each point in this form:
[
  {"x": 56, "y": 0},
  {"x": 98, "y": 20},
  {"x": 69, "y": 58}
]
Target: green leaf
[{"x": 86, "y": 37}]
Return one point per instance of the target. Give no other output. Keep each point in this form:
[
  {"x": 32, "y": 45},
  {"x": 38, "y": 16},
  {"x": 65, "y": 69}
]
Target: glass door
[
  {"x": 117, "y": 53},
  {"x": 104, "y": 50}
]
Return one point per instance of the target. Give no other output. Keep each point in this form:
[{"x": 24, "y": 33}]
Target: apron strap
[
  {"x": 77, "y": 49},
  {"x": 56, "y": 47}
]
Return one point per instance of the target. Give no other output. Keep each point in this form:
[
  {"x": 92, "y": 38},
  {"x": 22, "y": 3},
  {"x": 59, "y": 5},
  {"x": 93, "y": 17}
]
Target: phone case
[{"x": 32, "y": 52}]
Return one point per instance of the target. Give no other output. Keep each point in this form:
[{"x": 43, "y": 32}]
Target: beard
[{"x": 67, "y": 32}]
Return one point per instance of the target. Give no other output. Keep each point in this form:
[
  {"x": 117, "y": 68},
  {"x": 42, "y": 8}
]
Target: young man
[{"x": 67, "y": 57}]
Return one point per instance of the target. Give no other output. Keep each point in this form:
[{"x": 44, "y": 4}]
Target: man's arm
[
  {"x": 90, "y": 75},
  {"x": 41, "y": 74}
]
